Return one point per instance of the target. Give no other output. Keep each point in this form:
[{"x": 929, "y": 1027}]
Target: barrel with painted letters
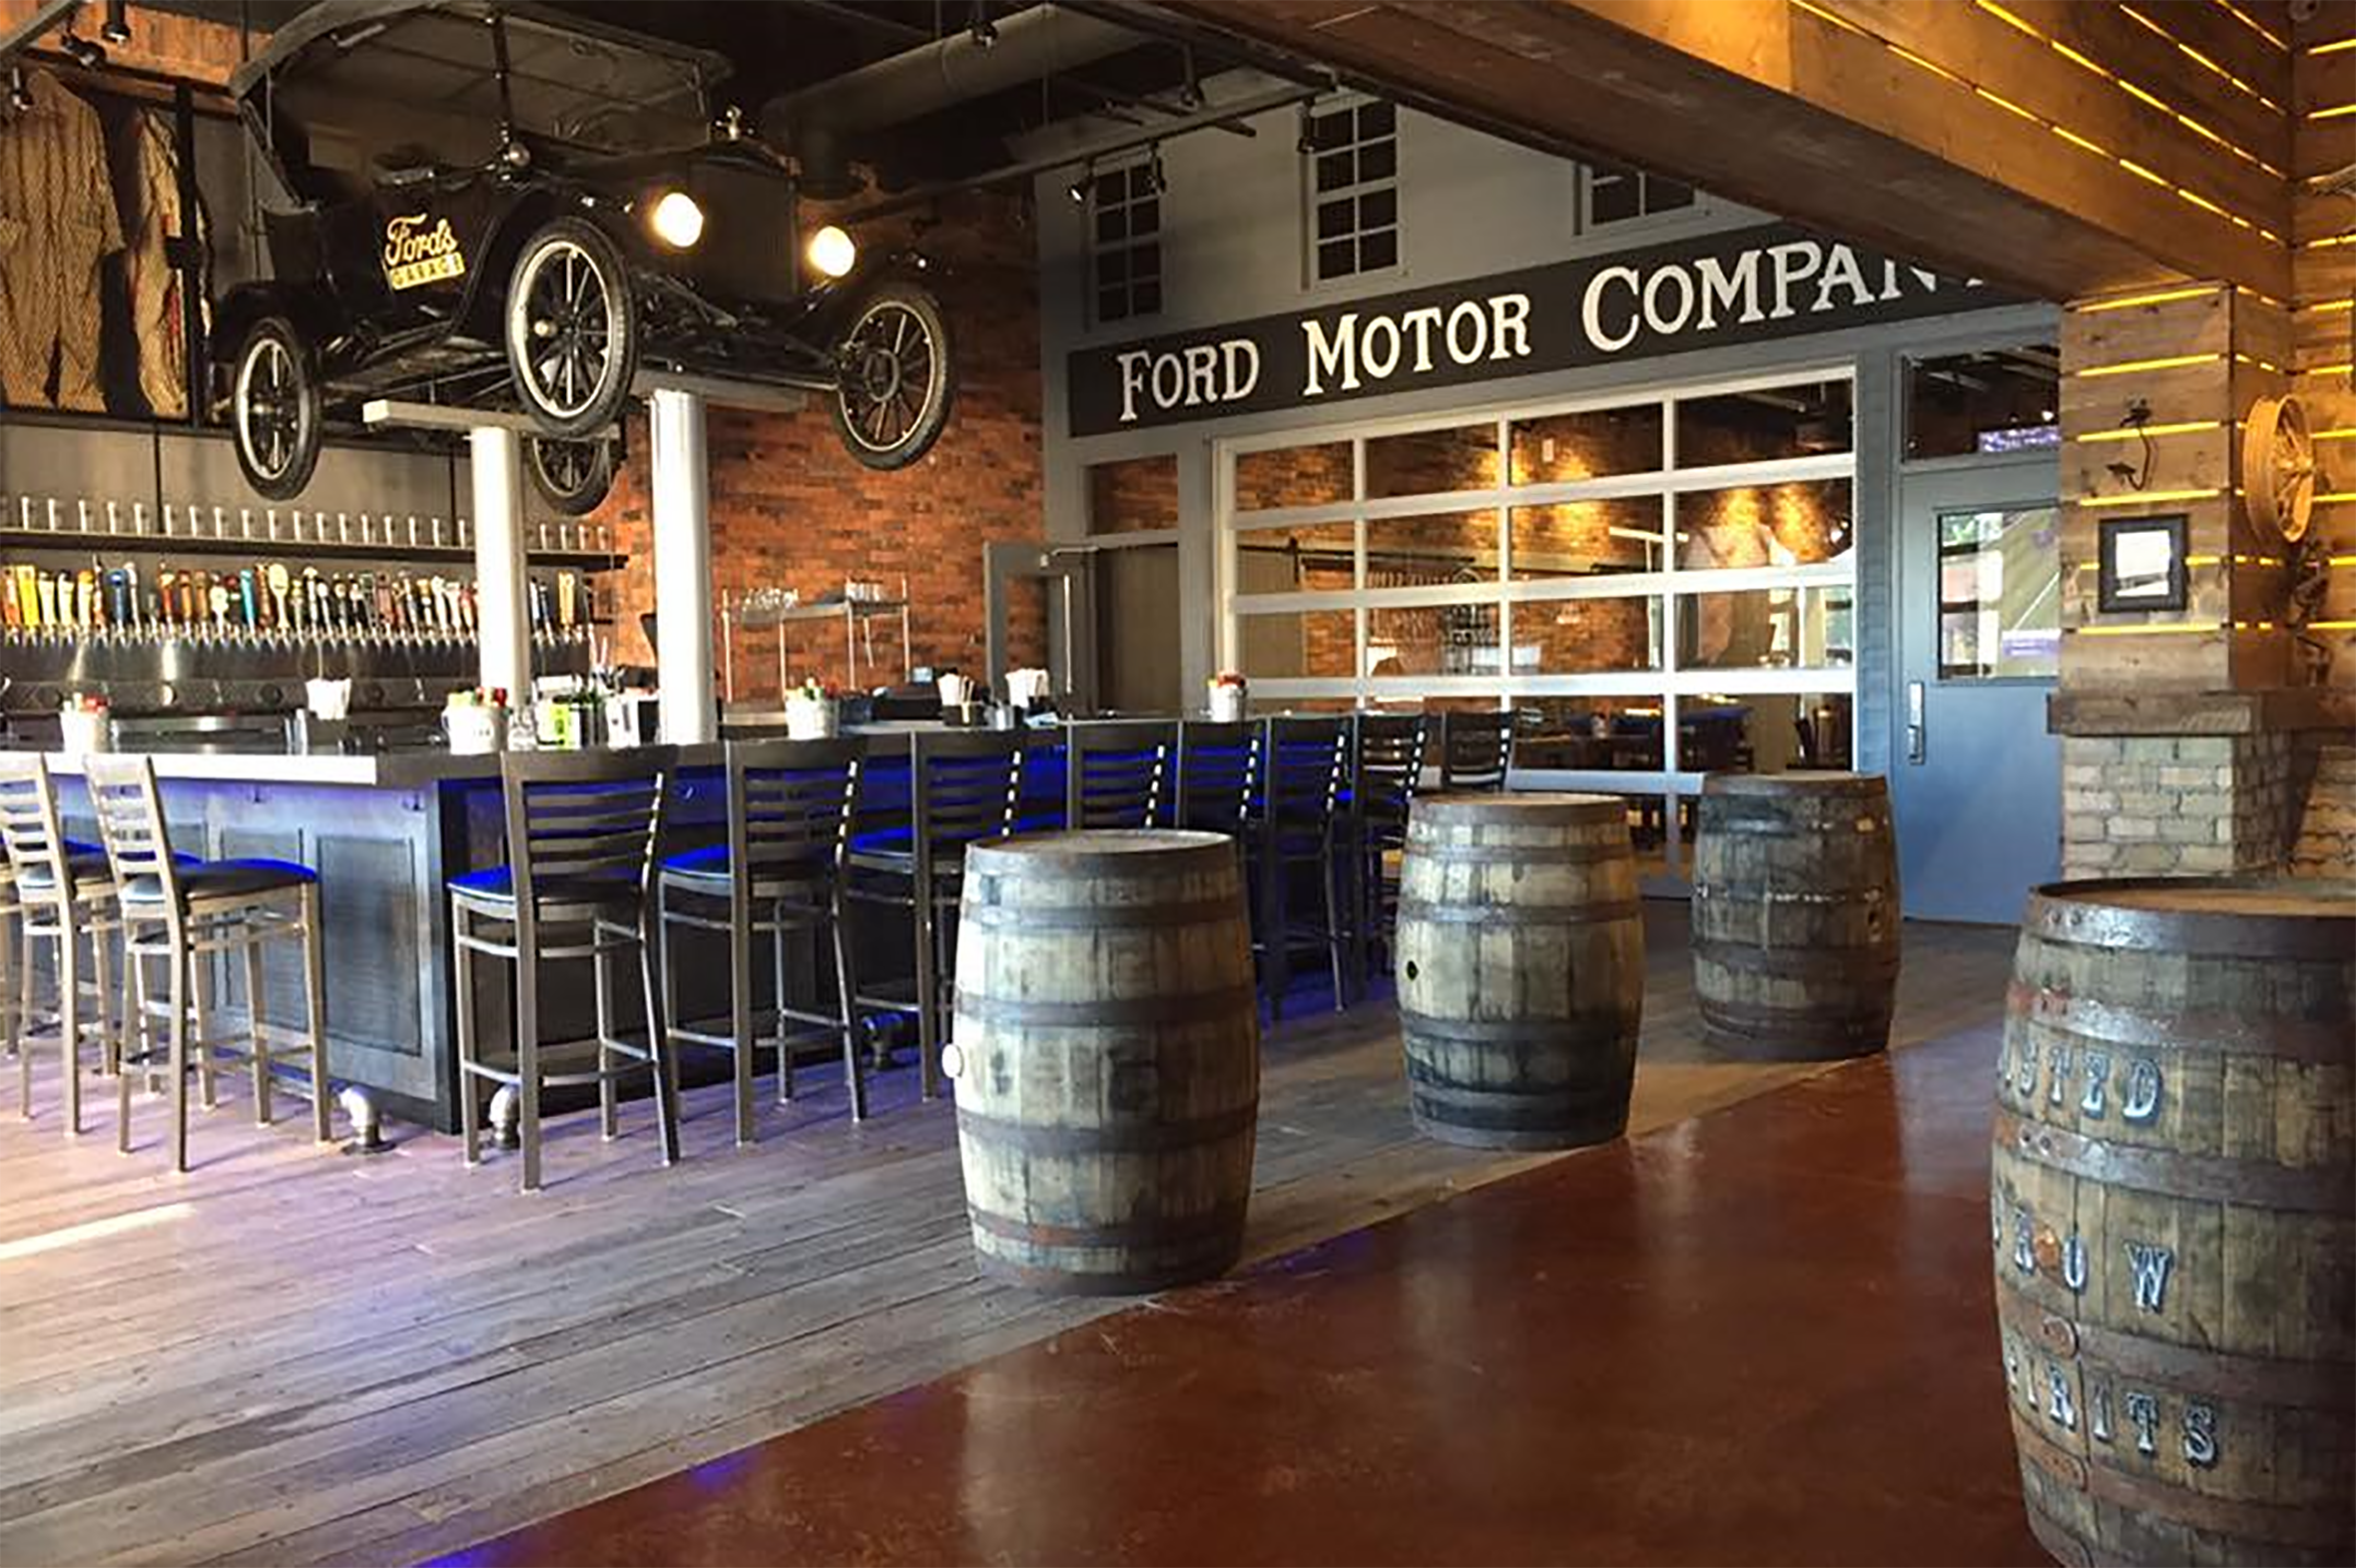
[
  {"x": 1795, "y": 915},
  {"x": 1521, "y": 959},
  {"x": 2173, "y": 1216},
  {"x": 1107, "y": 1058}
]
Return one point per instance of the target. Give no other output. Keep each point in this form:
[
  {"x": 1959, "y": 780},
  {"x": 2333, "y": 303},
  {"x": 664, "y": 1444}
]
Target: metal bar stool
[
  {"x": 1476, "y": 749},
  {"x": 1304, "y": 764},
  {"x": 1120, "y": 775},
  {"x": 962, "y": 789},
  {"x": 789, "y": 817},
  {"x": 1388, "y": 771},
  {"x": 581, "y": 833},
  {"x": 58, "y": 892},
  {"x": 185, "y": 913},
  {"x": 1218, "y": 768}
]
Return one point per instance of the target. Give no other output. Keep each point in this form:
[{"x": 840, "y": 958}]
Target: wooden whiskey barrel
[
  {"x": 1107, "y": 1058},
  {"x": 1795, "y": 915},
  {"x": 2173, "y": 1211},
  {"x": 1521, "y": 963}
]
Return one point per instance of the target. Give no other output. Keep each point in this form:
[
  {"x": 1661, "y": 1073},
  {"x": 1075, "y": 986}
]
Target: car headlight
[
  {"x": 831, "y": 252},
  {"x": 677, "y": 220}
]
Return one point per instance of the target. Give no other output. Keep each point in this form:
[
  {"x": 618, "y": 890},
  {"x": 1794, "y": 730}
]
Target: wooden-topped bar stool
[
  {"x": 1120, "y": 775},
  {"x": 962, "y": 788},
  {"x": 60, "y": 893},
  {"x": 789, "y": 819},
  {"x": 581, "y": 833},
  {"x": 185, "y": 913}
]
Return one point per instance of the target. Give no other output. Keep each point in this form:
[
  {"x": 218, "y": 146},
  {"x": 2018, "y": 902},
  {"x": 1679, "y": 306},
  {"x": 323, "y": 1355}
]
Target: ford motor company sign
[{"x": 1735, "y": 287}]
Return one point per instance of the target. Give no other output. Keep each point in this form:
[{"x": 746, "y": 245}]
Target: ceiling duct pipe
[{"x": 814, "y": 122}]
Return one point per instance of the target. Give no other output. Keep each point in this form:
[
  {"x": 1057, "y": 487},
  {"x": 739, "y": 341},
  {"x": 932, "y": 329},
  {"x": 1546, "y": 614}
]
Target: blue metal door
[{"x": 1976, "y": 780}]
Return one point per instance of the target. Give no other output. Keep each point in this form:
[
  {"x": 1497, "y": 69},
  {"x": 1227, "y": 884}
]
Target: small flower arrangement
[
  {"x": 1227, "y": 691},
  {"x": 814, "y": 710},
  {"x": 86, "y": 723}
]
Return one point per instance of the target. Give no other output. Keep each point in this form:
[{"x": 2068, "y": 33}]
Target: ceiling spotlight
[
  {"x": 1079, "y": 188},
  {"x": 980, "y": 29},
  {"x": 116, "y": 29},
  {"x": 20, "y": 97},
  {"x": 84, "y": 52}
]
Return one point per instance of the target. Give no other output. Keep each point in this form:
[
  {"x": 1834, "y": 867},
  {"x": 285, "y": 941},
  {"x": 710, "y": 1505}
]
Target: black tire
[
  {"x": 570, "y": 326},
  {"x": 897, "y": 375},
  {"x": 572, "y": 476},
  {"x": 273, "y": 410}
]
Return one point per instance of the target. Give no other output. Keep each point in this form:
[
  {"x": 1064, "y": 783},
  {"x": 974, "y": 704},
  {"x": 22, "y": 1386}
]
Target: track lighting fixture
[
  {"x": 116, "y": 29},
  {"x": 1080, "y": 186},
  {"x": 20, "y": 96},
  {"x": 980, "y": 29},
  {"x": 1156, "y": 180},
  {"x": 84, "y": 52},
  {"x": 1308, "y": 142}
]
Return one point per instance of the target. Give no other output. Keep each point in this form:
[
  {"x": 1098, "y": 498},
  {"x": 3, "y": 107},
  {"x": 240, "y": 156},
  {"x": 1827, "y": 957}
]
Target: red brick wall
[
  {"x": 1135, "y": 496},
  {"x": 791, "y": 507}
]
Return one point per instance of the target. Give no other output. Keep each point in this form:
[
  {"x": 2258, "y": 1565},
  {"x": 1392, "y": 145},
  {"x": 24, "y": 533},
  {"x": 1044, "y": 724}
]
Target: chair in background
[
  {"x": 1120, "y": 774},
  {"x": 1218, "y": 770},
  {"x": 185, "y": 913},
  {"x": 789, "y": 820},
  {"x": 1387, "y": 772},
  {"x": 59, "y": 892},
  {"x": 1304, "y": 763},
  {"x": 1476, "y": 749},
  {"x": 581, "y": 833},
  {"x": 962, "y": 790}
]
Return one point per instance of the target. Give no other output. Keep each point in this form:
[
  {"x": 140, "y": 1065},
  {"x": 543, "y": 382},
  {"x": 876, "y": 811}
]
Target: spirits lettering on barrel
[
  {"x": 2024, "y": 1249},
  {"x": 2073, "y": 1263},
  {"x": 2058, "y": 1075},
  {"x": 2141, "y": 1101},
  {"x": 2060, "y": 1406},
  {"x": 2150, "y": 1264},
  {"x": 2025, "y": 1080},
  {"x": 2097, "y": 1074},
  {"x": 2144, "y": 1410},
  {"x": 2200, "y": 1435},
  {"x": 2098, "y": 1412}
]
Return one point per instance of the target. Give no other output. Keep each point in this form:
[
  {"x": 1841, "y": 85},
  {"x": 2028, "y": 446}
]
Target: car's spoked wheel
[
  {"x": 896, "y": 376},
  {"x": 573, "y": 476},
  {"x": 571, "y": 328},
  {"x": 275, "y": 410}
]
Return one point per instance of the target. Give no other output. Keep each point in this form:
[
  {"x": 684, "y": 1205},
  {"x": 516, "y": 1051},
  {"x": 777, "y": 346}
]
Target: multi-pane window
[
  {"x": 1353, "y": 155},
  {"x": 1617, "y": 195},
  {"x": 1125, "y": 248}
]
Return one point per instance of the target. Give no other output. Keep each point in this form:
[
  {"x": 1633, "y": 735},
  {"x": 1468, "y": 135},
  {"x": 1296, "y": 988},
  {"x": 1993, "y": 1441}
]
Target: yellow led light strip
[
  {"x": 2335, "y": 496},
  {"x": 2141, "y": 497},
  {"x": 2162, "y": 297},
  {"x": 2253, "y": 24},
  {"x": 2335, "y": 112},
  {"x": 2337, "y": 433},
  {"x": 2130, "y": 433},
  {"x": 2336, "y": 46},
  {"x": 2130, "y": 366},
  {"x": 2189, "y": 196},
  {"x": 2325, "y": 370},
  {"x": 2163, "y": 629},
  {"x": 2328, "y": 307},
  {"x": 2338, "y": 561},
  {"x": 2264, "y": 364},
  {"x": 2331, "y": 626},
  {"x": 2197, "y": 58}
]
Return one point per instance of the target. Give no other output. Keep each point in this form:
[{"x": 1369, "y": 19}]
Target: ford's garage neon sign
[{"x": 1717, "y": 290}]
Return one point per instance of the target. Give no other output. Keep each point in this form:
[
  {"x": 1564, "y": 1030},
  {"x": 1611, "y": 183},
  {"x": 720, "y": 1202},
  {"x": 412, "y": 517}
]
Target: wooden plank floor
[{"x": 294, "y": 1355}]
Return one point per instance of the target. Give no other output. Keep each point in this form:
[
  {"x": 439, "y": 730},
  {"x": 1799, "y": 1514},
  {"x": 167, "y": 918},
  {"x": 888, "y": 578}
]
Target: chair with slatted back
[
  {"x": 1218, "y": 768},
  {"x": 59, "y": 892},
  {"x": 1120, "y": 775},
  {"x": 1387, "y": 772},
  {"x": 789, "y": 819},
  {"x": 581, "y": 833},
  {"x": 1476, "y": 749},
  {"x": 187, "y": 913},
  {"x": 950, "y": 791},
  {"x": 1303, "y": 767}
]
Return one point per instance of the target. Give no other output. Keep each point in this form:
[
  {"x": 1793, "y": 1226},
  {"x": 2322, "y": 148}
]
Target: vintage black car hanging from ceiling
[{"x": 506, "y": 206}]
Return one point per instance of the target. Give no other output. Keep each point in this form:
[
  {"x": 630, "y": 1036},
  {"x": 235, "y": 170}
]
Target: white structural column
[
  {"x": 502, "y": 625},
  {"x": 683, "y": 567}
]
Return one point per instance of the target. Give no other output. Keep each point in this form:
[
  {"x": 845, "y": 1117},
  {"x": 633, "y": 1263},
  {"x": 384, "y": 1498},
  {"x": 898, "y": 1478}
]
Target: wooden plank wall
[
  {"x": 2323, "y": 282},
  {"x": 2197, "y": 356}
]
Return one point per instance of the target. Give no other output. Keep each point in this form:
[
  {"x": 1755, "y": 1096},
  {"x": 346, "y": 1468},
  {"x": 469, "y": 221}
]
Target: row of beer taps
[{"x": 268, "y": 525}]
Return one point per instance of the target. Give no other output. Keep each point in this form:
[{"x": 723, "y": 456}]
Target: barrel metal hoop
[
  {"x": 2272, "y": 1524},
  {"x": 982, "y": 915},
  {"x": 1156, "y": 1137},
  {"x": 2319, "y": 1188},
  {"x": 1532, "y": 855},
  {"x": 2319, "y": 1385},
  {"x": 1519, "y": 914},
  {"x": 2073, "y": 913},
  {"x": 1875, "y": 966},
  {"x": 1210, "y": 1226},
  {"x": 1844, "y": 897},
  {"x": 2234, "y": 1034},
  {"x": 1511, "y": 1031},
  {"x": 1526, "y": 1101},
  {"x": 1106, "y": 1012}
]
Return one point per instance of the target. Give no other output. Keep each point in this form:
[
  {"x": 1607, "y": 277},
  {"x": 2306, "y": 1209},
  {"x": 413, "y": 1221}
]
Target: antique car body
[{"x": 504, "y": 206}]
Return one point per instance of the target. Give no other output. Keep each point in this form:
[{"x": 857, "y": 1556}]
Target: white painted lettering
[
  {"x": 1511, "y": 331},
  {"x": 2098, "y": 1407},
  {"x": 1660, "y": 320},
  {"x": 2073, "y": 1263},
  {"x": 1592, "y": 310},
  {"x": 2144, "y": 1410},
  {"x": 1421, "y": 320},
  {"x": 2060, "y": 1406},
  {"x": 1334, "y": 356},
  {"x": 2058, "y": 1075},
  {"x": 1462, "y": 347},
  {"x": 1167, "y": 391},
  {"x": 2200, "y": 1435},
  {"x": 1794, "y": 263},
  {"x": 1378, "y": 348},
  {"x": 2150, "y": 1264},
  {"x": 2024, "y": 1249},
  {"x": 2025, "y": 1078},
  {"x": 2141, "y": 1101},
  {"x": 1722, "y": 287},
  {"x": 1841, "y": 270},
  {"x": 1132, "y": 366},
  {"x": 1242, "y": 358},
  {"x": 2097, "y": 1079},
  {"x": 1201, "y": 374}
]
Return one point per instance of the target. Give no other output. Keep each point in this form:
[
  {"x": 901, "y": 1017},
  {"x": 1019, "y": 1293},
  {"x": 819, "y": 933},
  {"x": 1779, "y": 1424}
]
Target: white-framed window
[
  {"x": 1662, "y": 583},
  {"x": 1614, "y": 194},
  {"x": 1350, "y": 153},
  {"x": 1125, "y": 240}
]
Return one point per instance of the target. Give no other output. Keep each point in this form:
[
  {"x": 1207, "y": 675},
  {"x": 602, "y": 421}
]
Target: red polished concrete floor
[{"x": 1761, "y": 1337}]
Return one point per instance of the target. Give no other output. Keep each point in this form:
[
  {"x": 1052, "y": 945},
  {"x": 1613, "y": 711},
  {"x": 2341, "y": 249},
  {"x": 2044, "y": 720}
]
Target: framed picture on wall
[{"x": 2141, "y": 562}]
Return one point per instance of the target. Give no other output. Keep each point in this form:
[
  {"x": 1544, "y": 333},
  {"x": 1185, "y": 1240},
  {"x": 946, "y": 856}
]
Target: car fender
[{"x": 831, "y": 314}]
